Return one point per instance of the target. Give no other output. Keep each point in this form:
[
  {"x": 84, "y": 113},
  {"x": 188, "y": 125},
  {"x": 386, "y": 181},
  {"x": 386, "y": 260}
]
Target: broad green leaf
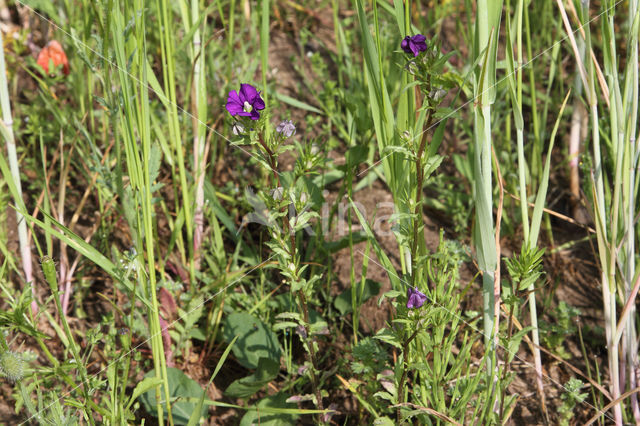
[
  {"x": 181, "y": 387},
  {"x": 264, "y": 418},
  {"x": 255, "y": 339},
  {"x": 243, "y": 388},
  {"x": 142, "y": 387}
]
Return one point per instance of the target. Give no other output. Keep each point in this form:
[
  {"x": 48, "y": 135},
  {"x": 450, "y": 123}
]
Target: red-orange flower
[{"x": 53, "y": 52}]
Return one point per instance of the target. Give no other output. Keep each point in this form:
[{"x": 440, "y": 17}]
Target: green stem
[
  {"x": 400, "y": 389},
  {"x": 417, "y": 220},
  {"x": 7, "y": 123},
  {"x": 48, "y": 268}
]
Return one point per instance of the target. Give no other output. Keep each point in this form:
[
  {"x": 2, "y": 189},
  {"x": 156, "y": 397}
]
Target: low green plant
[
  {"x": 570, "y": 399},
  {"x": 288, "y": 206},
  {"x": 434, "y": 368},
  {"x": 555, "y": 333}
]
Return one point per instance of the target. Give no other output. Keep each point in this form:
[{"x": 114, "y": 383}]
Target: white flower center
[{"x": 247, "y": 107}]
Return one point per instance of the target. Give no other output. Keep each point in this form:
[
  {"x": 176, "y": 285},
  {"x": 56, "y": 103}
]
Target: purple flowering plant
[
  {"x": 427, "y": 64},
  {"x": 287, "y": 204}
]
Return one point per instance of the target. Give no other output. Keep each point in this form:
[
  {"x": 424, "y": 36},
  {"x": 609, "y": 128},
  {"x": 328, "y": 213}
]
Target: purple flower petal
[
  {"x": 234, "y": 105},
  {"x": 421, "y": 46},
  {"x": 248, "y": 92},
  {"x": 414, "y": 44},
  {"x": 405, "y": 44},
  {"x": 246, "y": 102},
  {"x": 286, "y": 128},
  {"x": 415, "y": 297},
  {"x": 258, "y": 103},
  {"x": 414, "y": 48},
  {"x": 419, "y": 38}
]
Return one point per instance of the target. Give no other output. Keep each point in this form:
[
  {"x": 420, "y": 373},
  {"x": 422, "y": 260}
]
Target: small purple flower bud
[
  {"x": 414, "y": 44},
  {"x": 286, "y": 128},
  {"x": 415, "y": 298}
]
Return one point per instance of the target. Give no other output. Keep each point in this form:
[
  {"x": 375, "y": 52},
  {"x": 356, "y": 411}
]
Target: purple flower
[
  {"x": 286, "y": 128},
  {"x": 245, "y": 103},
  {"x": 415, "y": 44},
  {"x": 415, "y": 298}
]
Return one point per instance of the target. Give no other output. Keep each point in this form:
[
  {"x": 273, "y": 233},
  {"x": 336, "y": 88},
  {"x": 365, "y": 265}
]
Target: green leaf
[
  {"x": 356, "y": 155},
  {"x": 389, "y": 337},
  {"x": 255, "y": 339},
  {"x": 155, "y": 160},
  {"x": 542, "y": 191},
  {"x": 142, "y": 387},
  {"x": 243, "y": 388},
  {"x": 296, "y": 103},
  {"x": 343, "y": 301},
  {"x": 383, "y": 421},
  {"x": 272, "y": 419},
  {"x": 514, "y": 342},
  {"x": 284, "y": 325},
  {"x": 198, "y": 334},
  {"x": 181, "y": 387}
]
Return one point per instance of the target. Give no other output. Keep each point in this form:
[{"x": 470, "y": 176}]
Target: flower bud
[
  {"x": 237, "y": 128},
  {"x": 286, "y": 128},
  {"x": 12, "y": 366}
]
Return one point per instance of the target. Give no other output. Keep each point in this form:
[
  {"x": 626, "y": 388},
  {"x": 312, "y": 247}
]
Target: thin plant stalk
[
  {"x": 384, "y": 119},
  {"x": 485, "y": 48},
  {"x": 264, "y": 54},
  {"x": 623, "y": 110},
  {"x": 7, "y": 122},
  {"x": 169, "y": 99},
  {"x": 199, "y": 95},
  {"x": 49, "y": 271},
  {"x": 530, "y": 234},
  {"x": 614, "y": 231},
  {"x": 631, "y": 152},
  {"x": 136, "y": 126}
]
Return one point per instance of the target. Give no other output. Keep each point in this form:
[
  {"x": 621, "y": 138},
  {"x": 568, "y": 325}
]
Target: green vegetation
[{"x": 338, "y": 212}]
